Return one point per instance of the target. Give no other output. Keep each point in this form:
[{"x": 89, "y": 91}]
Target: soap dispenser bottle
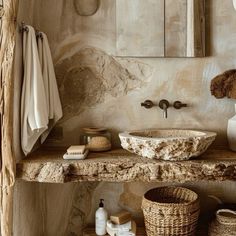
[
  {"x": 101, "y": 219},
  {"x": 231, "y": 132}
]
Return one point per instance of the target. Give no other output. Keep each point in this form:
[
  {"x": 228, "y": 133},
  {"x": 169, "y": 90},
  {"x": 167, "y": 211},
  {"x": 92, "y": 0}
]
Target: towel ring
[{"x": 86, "y": 7}]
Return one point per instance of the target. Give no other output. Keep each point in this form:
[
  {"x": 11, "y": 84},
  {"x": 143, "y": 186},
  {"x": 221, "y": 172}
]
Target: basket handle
[{"x": 226, "y": 219}]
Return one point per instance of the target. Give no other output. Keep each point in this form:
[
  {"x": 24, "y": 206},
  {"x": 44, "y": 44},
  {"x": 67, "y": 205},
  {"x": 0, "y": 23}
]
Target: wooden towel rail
[{"x": 7, "y": 176}]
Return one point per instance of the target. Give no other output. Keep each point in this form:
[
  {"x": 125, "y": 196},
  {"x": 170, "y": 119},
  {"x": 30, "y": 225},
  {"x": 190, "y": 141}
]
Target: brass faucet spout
[{"x": 164, "y": 105}]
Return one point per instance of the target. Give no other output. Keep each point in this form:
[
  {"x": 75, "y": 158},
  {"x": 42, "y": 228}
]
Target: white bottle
[
  {"x": 101, "y": 219},
  {"x": 231, "y": 132}
]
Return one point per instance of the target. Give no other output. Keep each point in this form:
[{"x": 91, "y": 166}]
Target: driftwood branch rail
[{"x": 8, "y": 13}]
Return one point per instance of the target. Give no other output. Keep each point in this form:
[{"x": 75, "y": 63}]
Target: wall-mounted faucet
[{"x": 164, "y": 105}]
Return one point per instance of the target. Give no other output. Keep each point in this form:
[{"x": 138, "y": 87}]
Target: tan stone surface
[
  {"x": 167, "y": 144},
  {"x": 91, "y": 77},
  {"x": 120, "y": 166}
]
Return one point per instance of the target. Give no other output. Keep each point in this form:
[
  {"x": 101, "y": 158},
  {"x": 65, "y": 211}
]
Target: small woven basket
[
  {"x": 224, "y": 224},
  {"x": 170, "y": 211}
]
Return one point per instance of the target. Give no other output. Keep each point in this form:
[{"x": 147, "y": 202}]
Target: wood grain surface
[
  {"x": 7, "y": 176},
  {"x": 160, "y": 28}
]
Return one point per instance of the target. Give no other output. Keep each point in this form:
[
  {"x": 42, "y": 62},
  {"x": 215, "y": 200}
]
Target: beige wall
[
  {"x": 82, "y": 47},
  {"x": 101, "y": 90}
]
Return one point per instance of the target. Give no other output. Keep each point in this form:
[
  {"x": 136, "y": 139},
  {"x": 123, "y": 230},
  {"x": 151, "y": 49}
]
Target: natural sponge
[
  {"x": 230, "y": 86},
  {"x": 224, "y": 84}
]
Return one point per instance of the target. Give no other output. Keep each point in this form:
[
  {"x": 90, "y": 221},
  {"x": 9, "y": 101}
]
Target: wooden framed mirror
[{"x": 176, "y": 28}]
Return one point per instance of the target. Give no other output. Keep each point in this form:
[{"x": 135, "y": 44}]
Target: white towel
[
  {"x": 34, "y": 114},
  {"x": 52, "y": 95}
]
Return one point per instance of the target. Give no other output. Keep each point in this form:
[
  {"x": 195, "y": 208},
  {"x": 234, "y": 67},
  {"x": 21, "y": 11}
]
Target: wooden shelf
[
  {"x": 47, "y": 165},
  {"x": 140, "y": 232},
  {"x": 91, "y": 232}
]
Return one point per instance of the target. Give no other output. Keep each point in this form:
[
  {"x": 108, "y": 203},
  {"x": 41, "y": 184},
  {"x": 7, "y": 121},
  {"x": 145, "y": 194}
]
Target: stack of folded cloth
[
  {"x": 78, "y": 152},
  {"x": 121, "y": 224}
]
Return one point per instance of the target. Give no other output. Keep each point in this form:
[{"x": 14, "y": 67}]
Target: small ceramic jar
[{"x": 96, "y": 139}]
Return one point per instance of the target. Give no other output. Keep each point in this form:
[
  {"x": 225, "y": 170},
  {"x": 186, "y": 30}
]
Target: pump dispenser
[
  {"x": 101, "y": 204},
  {"x": 231, "y": 133},
  {"x": 101, "y": 219}
]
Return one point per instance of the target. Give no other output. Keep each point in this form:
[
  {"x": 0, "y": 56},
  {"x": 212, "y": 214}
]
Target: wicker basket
[
  {"x": 170, "y": 211},
  {"x": 224, "y": 224}
]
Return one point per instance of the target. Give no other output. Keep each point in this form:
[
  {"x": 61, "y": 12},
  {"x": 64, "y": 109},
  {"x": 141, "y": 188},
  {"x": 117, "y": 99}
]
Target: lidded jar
[{"x": 96, "y": 139}]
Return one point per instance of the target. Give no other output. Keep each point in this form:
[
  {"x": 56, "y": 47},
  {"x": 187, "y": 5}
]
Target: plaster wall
[
  {"x": 82, "y": 48},
  {"x": 98, "y": 89}
]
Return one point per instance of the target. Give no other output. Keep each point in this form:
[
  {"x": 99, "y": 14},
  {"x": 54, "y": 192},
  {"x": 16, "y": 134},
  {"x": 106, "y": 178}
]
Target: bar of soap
[
  {"x": 76, "y": 156},
  {"x": 121, "y": 218},
  {"x": 77, "y": 149}
]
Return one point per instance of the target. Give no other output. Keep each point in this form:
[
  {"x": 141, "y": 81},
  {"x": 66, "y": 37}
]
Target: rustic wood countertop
[
  {"x": 47, "y": 165},
  {"x": 140, "y": 232},
  {"x": 91, "y": 232}
]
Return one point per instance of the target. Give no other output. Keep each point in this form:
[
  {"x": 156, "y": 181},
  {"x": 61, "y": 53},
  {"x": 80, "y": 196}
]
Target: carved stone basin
[{"x": 167, "y": 144}]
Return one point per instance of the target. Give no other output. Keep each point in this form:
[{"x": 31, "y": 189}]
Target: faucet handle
[
  {"x": 147, "y": 104},
  {"x": 179, "y": 105}
]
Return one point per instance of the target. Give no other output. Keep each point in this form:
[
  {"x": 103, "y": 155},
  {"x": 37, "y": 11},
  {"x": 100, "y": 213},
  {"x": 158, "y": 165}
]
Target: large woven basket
[
  {"x": 170, "y": 211},
  {"x": 224, "y": 224}
]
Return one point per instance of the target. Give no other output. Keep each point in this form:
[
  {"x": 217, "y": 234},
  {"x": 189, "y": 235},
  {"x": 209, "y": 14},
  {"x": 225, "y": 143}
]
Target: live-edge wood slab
[
  {"x": 91, "y": 232},
  {"x": 47, "y": 165},
  {"x": 140, "y": 232}
]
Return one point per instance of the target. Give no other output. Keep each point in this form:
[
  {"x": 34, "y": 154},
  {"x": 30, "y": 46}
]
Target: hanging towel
[
  {"x": 34, "y": 113},
  {"x": 50, "y": 83}
]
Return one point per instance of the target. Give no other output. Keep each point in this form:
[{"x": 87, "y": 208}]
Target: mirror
[{"x": 160, "y": 28}]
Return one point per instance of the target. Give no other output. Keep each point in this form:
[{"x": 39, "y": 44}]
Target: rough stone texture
[
  {"x": 120, "y": 166},
  {"x": 91, "y": 77},
  {"x": 169, "y": 145}
]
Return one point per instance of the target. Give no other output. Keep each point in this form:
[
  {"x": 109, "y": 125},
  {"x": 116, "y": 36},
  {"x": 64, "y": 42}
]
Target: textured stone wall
[
  {"x": 91, "y": 77},
  {"x": 98, "y": 89}
]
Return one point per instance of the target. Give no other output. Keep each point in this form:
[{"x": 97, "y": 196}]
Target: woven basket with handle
[
  {"x": 170, "y": 211},
  {"x": 224, "y": 224}
]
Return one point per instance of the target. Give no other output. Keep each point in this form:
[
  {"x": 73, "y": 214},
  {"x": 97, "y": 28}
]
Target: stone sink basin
[{"x": 167, "y": 144}]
